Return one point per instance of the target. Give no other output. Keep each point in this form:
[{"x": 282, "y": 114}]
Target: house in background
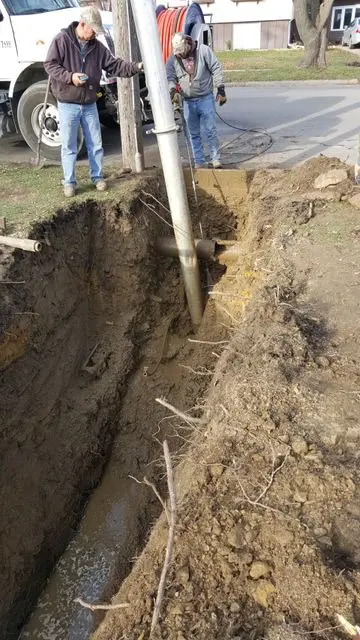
[
  {"x": 246, "y": 24},
  {"x": 343, "y": 14}
]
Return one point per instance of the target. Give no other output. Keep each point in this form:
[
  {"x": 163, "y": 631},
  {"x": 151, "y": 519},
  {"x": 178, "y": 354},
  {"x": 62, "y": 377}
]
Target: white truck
[{"x": 27, "y": 28}]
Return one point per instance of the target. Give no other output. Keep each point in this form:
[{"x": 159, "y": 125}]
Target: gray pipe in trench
[{"x": 215, "y": 250}]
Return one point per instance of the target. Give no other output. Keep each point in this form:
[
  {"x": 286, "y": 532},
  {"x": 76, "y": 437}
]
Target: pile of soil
[{"x": 267, "y": 541}]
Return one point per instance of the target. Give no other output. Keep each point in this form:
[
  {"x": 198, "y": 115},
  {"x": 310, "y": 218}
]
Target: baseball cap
[
  {"x": 182, "y": 44},
  {"x": 91, "y": 16},
  {"x": 178, "y": 43}
]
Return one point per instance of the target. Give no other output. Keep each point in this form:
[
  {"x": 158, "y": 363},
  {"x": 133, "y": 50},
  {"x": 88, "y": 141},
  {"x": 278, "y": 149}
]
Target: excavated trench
[{"x": 93, "y": 330}]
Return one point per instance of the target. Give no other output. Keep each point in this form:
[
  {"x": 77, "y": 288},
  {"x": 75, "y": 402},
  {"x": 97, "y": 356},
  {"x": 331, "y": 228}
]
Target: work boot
[
  {"x": 101, "y": 185},
  {"x": 216, "y": 164},
  {"x": 69, "y": 190}
]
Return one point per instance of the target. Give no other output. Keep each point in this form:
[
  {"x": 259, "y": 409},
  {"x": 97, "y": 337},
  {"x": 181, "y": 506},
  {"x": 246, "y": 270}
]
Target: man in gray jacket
[
  {"x": 195, "y": 69},
  {"x": 74, "y": 62}
]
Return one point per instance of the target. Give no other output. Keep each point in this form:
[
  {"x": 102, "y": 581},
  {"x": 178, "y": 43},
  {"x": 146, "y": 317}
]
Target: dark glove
[
  {"x": 175, "y": 96},
  {"x": 221, "y": 95}
]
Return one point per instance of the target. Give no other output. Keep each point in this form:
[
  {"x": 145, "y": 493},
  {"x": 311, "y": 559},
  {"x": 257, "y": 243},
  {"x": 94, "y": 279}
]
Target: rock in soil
[
  {"x": 330, "y": 178},
  {"x": 355, "y": 201}
]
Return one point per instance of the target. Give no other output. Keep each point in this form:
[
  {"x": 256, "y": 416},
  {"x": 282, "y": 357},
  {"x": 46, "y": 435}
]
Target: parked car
[{"x": 351, "y": 35}]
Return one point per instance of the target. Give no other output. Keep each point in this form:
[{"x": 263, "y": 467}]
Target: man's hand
[
  {"x": 75, "y": 79},
  {"x": 175, "y": 97},
  {"x": 221, "y": 96}
]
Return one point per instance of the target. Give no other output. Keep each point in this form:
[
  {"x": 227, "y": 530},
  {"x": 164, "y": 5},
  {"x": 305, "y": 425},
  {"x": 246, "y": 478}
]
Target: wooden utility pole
[{"x": 127, "y": 48}]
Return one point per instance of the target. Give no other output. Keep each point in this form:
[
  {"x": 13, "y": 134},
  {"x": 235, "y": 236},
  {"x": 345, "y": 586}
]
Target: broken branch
[
  {"x": 178, "y": 413},
  {"x": 101, "y": 607},
  {"x": 197, "y": 372},
  {"x": 352, "y": 631},
  {"x": 152, "y": 486},
  {"x": 208, "y": 341},
  {"x": 12, "y": 281},
  {"x": 257, "y": 501},
  {"x": 170, "y": 542}
]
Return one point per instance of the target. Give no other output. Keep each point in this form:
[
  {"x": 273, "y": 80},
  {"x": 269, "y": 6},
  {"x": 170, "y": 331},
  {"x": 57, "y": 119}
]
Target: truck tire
[
  {"x": 108, "y": 121},
  {"x": 29, "y": 118}
]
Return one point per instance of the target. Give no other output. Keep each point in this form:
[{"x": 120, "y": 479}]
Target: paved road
[{"x": 304, "y": 121}]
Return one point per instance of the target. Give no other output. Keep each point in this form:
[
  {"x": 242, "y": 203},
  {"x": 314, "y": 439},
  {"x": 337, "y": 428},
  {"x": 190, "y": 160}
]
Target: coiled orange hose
[{"x": 170, "y": 21}]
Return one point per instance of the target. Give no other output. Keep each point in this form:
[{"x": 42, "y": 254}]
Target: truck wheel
[
  {"x": 108, "y": 121},
  {"x": 29, "y": 115}
]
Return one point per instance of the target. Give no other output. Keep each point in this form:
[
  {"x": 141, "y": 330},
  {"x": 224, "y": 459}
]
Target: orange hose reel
[{"x": 170, "y": 21}]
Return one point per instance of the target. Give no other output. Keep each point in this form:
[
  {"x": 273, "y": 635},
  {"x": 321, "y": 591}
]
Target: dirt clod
[
  {"x": 259, "y": 570},
  {"x": 299, "y": 446},
  {"x": 263, "y": 593},
  {"x": 236, "y": 537}
]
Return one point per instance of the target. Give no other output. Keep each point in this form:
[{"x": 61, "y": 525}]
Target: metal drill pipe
[{"x": 166, "y": 131}]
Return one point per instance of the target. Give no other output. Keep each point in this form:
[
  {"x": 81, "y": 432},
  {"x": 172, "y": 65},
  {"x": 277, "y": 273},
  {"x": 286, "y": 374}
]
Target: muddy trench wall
[{"x": 89, "y": 287}]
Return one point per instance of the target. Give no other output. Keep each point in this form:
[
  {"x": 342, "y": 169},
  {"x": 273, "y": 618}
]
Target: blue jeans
[
  {"x": 200, "y": 114},
  {"x": 71, "y": 116}
]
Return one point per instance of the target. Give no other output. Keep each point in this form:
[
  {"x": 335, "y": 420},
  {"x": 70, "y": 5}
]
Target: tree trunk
[
  {"x": 313, "y": 10},
  {"x": 324, "y": 39},
  {"x": 312, "y": 20},
  {"x": 311, "y": 51}
]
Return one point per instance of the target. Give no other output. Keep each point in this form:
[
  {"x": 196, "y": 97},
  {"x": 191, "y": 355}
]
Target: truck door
[{"x": 8, "y": 54}]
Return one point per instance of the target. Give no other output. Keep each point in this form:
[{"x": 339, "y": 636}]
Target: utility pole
[{"x": 126, "y": 47}]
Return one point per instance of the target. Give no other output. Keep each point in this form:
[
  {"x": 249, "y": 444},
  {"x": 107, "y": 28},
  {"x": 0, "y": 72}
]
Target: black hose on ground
[{"x": 245, "y": 131}]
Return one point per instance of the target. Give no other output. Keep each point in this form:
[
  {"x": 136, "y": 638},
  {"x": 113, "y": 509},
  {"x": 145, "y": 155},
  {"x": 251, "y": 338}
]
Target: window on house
[
  {"x": 337, "y": 18},
  {"x": 348, "y": 17},
  {"x": 342, "y": 17}
]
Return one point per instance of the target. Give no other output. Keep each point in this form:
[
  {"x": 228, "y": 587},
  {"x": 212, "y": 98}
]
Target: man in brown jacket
[{"x": 74, "y": 62}]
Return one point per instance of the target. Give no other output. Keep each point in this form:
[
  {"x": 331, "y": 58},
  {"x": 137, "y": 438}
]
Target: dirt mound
[{"x": 266, "y": 542}]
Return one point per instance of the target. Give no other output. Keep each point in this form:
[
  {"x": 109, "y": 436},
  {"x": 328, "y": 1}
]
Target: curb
[{"x": 292, "y": 83}]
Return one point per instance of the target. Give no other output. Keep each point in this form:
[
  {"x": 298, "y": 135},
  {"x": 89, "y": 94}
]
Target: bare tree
[
  {"x": 324, "y": 43},
  {"x": 312, "y": 20}
]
